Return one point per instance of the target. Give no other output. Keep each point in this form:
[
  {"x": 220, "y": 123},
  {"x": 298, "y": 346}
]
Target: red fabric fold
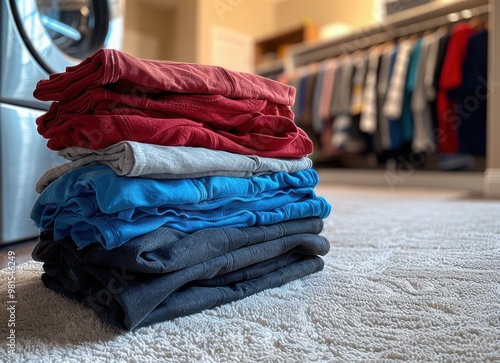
[
  {"x": 268, "y": 137},
  {"x": 112, "y": 97},
  {"x": 203, "y": 108},
  {"x": 141, "y": 76}
]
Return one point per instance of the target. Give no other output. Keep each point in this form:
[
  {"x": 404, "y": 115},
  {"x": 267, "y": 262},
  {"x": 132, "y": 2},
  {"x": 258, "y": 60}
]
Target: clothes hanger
[
  {"x": 414, "y": 37},
  {"x": 444, "y": 29},
  {"x": 428, "y": 33},
  {"x": 476, "y": 23}
]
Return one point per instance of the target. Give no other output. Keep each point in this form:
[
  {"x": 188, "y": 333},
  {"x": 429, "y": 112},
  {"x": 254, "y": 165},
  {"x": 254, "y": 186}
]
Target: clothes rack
[
  {"x": 429, "y": 17},
  {"x": 418, "y": 20}
]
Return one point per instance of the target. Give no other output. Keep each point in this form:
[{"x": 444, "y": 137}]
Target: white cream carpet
[{"x": 411, "y": 276}]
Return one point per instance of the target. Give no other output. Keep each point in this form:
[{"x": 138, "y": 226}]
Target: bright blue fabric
[
  {"x": 92, "y": 204},
  {"x": 114, "y": 193}
]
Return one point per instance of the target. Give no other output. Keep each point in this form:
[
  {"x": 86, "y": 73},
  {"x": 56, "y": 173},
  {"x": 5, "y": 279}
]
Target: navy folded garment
[
  {"x": 93, "y": 204},
  {"x": 168, "y": 273}
]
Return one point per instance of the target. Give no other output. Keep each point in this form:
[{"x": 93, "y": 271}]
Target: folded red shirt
[
  {"x": 265, "y": 135},
  {"x": 226, "y": 112},
  {"x": 140, "y": 77}
]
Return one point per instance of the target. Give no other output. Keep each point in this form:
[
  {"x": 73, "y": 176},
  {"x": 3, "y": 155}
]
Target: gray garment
[
  {"x": 393, "y": 106},
  {"x": 368, "y": 121},
  {"x": 431, "y": 64},
  {"x": 358, "y": 82},
  {"x": 342, "y": 117},
  {"x": 135, "y": 159},
  {"x": 423, "y": 138},
  {"x": 316, "y": 120},
  {"x": 338, "y": 87},
  {"x": 382, "y": 87}
]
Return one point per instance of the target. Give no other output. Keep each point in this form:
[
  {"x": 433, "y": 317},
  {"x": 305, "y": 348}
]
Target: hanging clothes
[
  {"x": 449, "y": 81},
  {"x": 325, "y": 107},
  {"x": 395, "y": 99},
  {"x": 346, "y": 136},
  {"x": 358, "y": 84},
  {"x": 387, "y": 60},
  {"x": 393, "y": 108},
  {"x": 341, "y": 104},
  {"x": 423, "y": 137},
  {"x": 368, "y": 121},
  {"x": 411, "y": 80},
  {"x": 357, "y": 140},
  {"x": 327, "y": 89},
  {"x": 316, "y": 120},
  {"x": 305, "y": 80},
  {"x": 434, "y": 66},
  {"x": 472, "y": 102}
]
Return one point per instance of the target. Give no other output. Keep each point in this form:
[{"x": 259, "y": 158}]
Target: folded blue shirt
[
  {"x": 115, "y": 193},
  {"x": 92, "y": 204}
]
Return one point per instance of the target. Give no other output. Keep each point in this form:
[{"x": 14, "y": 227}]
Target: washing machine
[{"x": 40, "y": 37}]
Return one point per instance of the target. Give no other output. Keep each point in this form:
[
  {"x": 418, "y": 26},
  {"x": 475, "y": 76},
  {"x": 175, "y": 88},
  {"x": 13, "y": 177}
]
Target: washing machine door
[{"x": 64, "y": 32}]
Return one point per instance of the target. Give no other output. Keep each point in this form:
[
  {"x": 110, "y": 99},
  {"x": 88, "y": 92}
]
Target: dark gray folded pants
[{"x": 168, "y": 273}]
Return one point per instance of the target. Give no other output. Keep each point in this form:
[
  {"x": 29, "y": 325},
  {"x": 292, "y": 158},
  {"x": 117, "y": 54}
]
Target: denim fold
[{"x": 167, "y": 273}]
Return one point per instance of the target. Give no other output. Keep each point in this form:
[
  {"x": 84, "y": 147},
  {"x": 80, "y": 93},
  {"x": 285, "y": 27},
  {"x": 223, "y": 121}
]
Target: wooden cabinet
[{"x": 270, "y": 51}]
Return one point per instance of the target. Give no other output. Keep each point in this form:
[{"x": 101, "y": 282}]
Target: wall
[
  {"x": 181, "y": 30},
  {"x": 140, "y": 37},
  {"x": 355, "y": 13},
  {"x": 161, "y": 29},
  {"x": 251, "y": 18},
  {"x": 186, "y": 47}
]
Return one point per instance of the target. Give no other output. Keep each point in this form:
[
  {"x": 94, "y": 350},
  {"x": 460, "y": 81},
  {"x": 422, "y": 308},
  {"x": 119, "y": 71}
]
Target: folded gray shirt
[{"x": 135, "y": 159}]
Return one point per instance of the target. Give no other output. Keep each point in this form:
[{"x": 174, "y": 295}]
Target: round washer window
[{"x": 77, "y": 27}]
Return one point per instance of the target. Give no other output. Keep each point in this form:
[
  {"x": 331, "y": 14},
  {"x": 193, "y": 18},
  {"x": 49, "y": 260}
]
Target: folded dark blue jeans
[{"x": 167, "y": 273}]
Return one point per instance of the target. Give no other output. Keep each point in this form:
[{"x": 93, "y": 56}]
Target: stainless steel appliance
[{"x": 39, "y": 37}]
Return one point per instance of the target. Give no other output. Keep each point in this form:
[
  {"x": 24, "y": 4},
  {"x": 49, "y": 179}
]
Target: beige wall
[
  {"x": 161, "y": 30},
  {"x": 252, "y": 18},
  {"x": 355, "y": 13},
  {"x": 140, "y": 37},
  {"x": 186, "y": 48},
  {"x": 181, "y": 30}
]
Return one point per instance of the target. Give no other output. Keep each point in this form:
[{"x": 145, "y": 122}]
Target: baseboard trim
[{"x": 467, "y": 181}]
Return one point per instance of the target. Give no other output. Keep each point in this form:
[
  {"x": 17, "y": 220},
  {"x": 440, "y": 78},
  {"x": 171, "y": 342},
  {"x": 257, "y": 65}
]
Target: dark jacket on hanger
[{"x": 472, "y": 102}]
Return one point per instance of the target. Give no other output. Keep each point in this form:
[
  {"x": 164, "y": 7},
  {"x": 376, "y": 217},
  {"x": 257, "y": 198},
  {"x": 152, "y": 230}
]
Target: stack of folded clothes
[{"x": 188, "y": 186}]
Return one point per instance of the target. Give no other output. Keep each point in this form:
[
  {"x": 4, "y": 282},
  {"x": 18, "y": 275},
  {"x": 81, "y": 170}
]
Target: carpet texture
[{"x": 412, "y": 277}]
